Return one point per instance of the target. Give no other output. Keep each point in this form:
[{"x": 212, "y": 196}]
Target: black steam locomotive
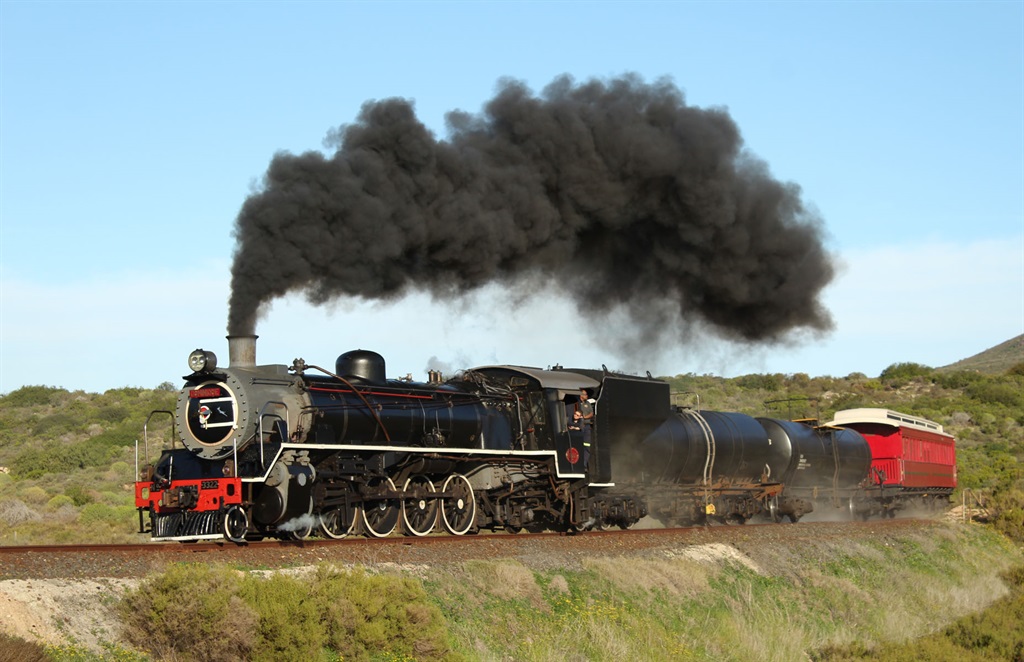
[{"x": 287, "y": 451}]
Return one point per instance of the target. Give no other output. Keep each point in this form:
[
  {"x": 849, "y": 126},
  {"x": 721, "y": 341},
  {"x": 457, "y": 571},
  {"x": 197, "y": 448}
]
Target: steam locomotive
[{"x": 286, "y": 451}]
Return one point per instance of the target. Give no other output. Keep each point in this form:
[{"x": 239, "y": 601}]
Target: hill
[{"x": 993, "y": 361}]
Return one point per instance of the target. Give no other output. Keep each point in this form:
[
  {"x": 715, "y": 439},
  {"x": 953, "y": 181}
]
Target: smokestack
[
  {"x": 242, "y": 351},
  {"x": 630, "y": 199}
]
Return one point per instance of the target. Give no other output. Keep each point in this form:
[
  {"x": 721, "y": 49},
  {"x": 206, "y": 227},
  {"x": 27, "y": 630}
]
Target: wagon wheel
[
  {"x": 458, "y": 511},
  {"x": 236, "y": 523},
  {"x": 340, "y": 521},
  {"x": 419, "y": 513},
  {"x": 381, "y": 515}
]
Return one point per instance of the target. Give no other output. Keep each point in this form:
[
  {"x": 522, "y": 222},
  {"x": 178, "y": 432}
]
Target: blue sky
[{"x": 131, "y": 133}]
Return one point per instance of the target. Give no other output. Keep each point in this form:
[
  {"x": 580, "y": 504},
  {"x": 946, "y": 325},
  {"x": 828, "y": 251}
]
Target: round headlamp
[{"x": 202, "y": 361}]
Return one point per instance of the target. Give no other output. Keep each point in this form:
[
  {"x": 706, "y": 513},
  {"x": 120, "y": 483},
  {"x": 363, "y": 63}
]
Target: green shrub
[
  {"x": 34, "y": 495},
  {"x": 372, "y": 613},
  {"x": 289, "y": 624},
  {"x": 100, "y": 512},
  {"x": 190, "y": 612},
  {"x": 31, "y": 396},
  {"x": 122, "y": 471},
  {"x": 355, "y": 615},
  {"x": 60, "y": 458},
  {"x": 958, "y": 379},
  {"x": 997, "y": 392},
  {"x": 78, "y": 495},
  {"x": 1009, "y": 513},
  {"x": 904, "y": 372},
  {"x": 769, "y": 383},
  {"x": 57, "y": 502},
  {"x": 54, "y": 425}
]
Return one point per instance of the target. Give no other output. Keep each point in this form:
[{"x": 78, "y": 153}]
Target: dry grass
[
  {"x": 680, "y": 577},
  {"x": 505, "y": 580}
]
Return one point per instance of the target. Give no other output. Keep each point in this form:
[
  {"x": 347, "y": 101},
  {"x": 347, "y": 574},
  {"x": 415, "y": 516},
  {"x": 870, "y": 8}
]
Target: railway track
[
  {"x": 138, "y": 560},
  {"x": 313, "y": 543}
]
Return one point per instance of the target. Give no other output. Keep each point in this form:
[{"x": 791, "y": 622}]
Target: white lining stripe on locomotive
[{"x": 406, "y": 449}]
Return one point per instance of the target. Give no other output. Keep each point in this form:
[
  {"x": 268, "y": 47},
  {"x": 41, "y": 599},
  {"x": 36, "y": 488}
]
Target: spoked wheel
[
  {"x": 236, "y": 524},
  {"x": 381, "y": 515},
  {"x": 419, "y": 512},
  {"x": 340, "y": 521},
  {"x": 458, "y": 511}
]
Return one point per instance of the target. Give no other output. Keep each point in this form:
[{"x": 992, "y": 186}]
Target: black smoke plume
[{"x": 616, "y": 192}]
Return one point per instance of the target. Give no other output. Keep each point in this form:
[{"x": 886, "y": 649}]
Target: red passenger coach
[{"x": 907, "y": 452}]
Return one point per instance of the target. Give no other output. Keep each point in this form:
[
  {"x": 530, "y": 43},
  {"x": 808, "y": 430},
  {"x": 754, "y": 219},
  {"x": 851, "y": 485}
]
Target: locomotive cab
[{"x": 547, "y": 399}]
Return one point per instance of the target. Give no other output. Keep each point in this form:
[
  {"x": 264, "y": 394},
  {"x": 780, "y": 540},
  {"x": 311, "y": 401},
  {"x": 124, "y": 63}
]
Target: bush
[
  {"x": 997, "y": 392},
  {"x": 769, "y": 383},
  {"x": 190, "y": 612},
  {"x": 1008, "y": 511},
  {"x": 60, "y": 458},
  {"x": 15, "y": 512},
  {"x": 56, "y": 424},
  {"x": 215, "y": 613},
  {"x": 78, "y": 495},
  {"x": 34, "y": 495},
  {"x": 59, "y": 501},
  {"x": 958, "y": 379},
  {"x": 31, "y": 396},
  {"x": 289, "y": 625},
  {"x": 122, "y": 471},
  {"x": 379, "y": 613},
  {"x": 95, "y": 513},
  {"x": 904, "y": 372}
]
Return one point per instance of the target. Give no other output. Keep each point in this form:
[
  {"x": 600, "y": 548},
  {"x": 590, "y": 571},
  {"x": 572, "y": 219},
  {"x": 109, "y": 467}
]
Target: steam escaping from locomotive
[{"x": 616, "y": 192}]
